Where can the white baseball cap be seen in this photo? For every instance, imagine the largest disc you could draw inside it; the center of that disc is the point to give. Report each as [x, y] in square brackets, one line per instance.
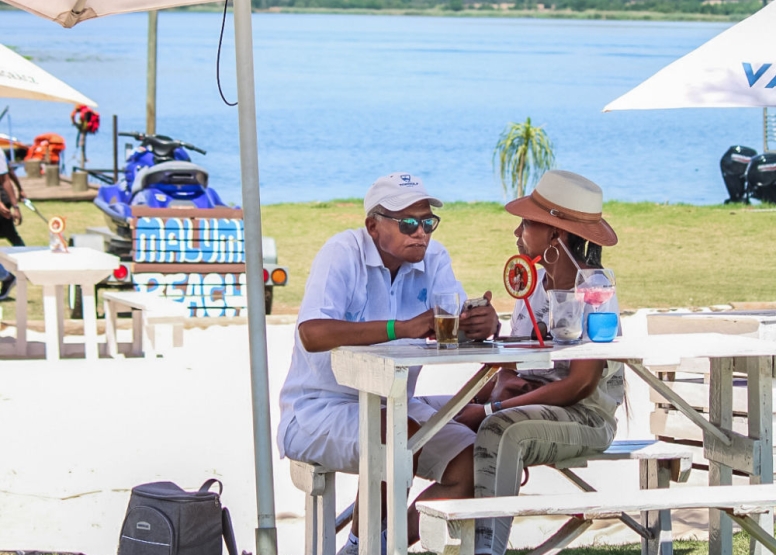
[396, 192]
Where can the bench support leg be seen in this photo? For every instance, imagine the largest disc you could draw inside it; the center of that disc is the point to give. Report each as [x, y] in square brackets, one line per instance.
[149, 335]
[110, 329]
[137, 332]
[752, 526]
[626, 519]
[447, 538]
[320, 507]
[760, 402]
[721, 415]
[571, 530]
[653, 474]
[177, 335]
[320, 515]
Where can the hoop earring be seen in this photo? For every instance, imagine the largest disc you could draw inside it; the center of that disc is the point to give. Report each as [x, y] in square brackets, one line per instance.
[557, 255]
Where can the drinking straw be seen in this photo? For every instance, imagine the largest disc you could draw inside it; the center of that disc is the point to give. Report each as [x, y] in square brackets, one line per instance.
[568, 252]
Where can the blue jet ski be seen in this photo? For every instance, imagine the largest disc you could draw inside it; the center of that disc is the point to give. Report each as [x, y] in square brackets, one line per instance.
[159, 174]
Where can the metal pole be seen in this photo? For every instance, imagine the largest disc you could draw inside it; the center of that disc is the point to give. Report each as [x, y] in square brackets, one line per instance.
[151, 75]
[115, 148]
[765, 129]
[266, 533]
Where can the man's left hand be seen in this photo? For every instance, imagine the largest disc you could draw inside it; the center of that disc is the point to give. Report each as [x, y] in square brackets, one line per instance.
[480, 322]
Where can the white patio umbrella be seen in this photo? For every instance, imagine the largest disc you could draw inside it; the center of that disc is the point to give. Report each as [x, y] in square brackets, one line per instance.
[70, 12]
[20, 78]
[737, 68]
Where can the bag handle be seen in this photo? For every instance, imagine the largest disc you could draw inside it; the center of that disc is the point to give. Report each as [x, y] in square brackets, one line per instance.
[209, 483]
[226, 526]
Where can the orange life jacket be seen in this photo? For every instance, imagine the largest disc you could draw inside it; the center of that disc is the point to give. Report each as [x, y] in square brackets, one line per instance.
[47, 146]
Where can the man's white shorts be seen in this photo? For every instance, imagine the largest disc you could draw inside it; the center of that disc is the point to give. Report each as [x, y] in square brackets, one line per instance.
[333, 443]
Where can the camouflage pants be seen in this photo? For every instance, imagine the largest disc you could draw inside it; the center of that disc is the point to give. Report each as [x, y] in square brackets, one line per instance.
[527, 436]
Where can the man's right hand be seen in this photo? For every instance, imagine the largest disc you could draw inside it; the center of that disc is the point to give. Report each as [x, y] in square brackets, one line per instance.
[325, 334]
[419, 327]
[5, 212]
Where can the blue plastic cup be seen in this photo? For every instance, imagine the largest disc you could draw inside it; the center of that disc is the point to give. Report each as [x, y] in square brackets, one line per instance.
[602, 326]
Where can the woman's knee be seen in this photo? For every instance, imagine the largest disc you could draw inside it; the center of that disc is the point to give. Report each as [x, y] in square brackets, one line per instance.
[460, 472]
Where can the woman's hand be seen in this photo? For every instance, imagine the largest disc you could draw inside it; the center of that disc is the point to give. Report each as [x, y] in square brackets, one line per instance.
[471, 416]
[480, 322]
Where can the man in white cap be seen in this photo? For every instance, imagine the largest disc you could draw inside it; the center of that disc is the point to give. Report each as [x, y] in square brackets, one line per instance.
[367, 286]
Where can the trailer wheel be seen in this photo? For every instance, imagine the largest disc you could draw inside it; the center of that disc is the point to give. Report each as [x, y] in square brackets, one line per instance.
[75, 302]
[267, 299]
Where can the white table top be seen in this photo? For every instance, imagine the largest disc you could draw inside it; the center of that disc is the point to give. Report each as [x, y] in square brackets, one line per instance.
[42, 258]
[659, 348]
[44, 267]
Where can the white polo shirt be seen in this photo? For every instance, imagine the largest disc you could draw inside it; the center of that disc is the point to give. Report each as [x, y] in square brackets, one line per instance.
[3, 163]
[348, 281]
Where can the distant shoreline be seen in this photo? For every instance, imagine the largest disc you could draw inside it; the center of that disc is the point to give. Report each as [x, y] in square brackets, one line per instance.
[596, 15]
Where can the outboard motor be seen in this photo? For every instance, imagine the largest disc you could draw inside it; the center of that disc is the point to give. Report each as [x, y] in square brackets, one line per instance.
[733, 165]
[761, 177]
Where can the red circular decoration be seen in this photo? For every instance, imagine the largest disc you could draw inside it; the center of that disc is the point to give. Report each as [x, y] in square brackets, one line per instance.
[520, 276]
[56, 225]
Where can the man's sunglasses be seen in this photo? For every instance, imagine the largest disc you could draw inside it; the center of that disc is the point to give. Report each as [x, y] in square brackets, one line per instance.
[408, 226]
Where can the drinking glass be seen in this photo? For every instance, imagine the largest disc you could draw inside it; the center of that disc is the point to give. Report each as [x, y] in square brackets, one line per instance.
[447, 309]
[595, 286]
[565, 317]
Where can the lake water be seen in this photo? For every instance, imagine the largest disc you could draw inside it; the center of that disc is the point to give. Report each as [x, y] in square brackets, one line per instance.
[343, 99]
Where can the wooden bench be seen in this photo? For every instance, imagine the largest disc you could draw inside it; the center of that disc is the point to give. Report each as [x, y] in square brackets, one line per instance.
[321, 522]
[690, 378]
[659, 463]
[448, 526]
[148, 312]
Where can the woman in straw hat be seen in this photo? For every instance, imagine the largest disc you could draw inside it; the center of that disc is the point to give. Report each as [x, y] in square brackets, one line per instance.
[543, 416]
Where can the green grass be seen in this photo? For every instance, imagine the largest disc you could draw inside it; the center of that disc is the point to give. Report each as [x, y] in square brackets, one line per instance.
[668, 255]
[681, 547]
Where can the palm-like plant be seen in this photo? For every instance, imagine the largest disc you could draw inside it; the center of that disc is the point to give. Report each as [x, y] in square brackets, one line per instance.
[523, 152]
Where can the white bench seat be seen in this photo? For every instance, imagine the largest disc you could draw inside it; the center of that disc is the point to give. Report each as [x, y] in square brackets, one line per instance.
[148, 312]
[659, 463]
[448, 526]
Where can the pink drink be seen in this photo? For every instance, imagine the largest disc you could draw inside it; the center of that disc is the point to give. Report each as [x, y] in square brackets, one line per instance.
[595, 296]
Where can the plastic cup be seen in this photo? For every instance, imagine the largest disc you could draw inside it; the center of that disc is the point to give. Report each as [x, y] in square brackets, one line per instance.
[565, 317]
[447, 310]
[602, 327]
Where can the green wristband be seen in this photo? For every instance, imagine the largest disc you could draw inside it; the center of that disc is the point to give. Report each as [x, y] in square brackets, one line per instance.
[390, 327]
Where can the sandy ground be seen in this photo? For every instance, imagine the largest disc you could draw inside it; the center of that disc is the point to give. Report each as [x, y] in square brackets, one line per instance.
[75, 437]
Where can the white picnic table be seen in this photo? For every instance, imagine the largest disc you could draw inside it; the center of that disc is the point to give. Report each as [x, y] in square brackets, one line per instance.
[380, 373]
[80, 266]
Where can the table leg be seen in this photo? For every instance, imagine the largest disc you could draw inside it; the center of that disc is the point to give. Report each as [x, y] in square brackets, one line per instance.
[51, 319]
[21, 314]
[91, 351]
[398, 472]
[371, 470]
[60, 294]
[720, 414]
[111, 329]
[760, 407]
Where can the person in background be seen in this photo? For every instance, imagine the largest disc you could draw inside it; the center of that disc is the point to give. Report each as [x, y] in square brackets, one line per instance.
[366, 286]
[10, 217]
[536, 417]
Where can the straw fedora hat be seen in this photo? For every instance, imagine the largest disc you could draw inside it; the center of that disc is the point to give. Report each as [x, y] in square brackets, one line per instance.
[569, 202]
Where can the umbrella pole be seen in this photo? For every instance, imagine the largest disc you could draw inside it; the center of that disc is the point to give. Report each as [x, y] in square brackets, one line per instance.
[266, 533]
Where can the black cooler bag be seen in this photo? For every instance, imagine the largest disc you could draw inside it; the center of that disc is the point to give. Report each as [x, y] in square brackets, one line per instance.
[163, 519]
